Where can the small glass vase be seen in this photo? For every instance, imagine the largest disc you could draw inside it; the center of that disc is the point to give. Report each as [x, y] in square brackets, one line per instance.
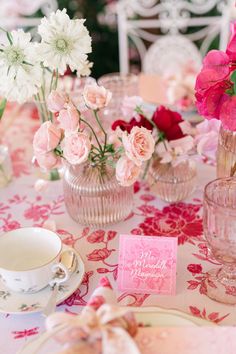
[170, 183]
[93, 196]
[226, 154]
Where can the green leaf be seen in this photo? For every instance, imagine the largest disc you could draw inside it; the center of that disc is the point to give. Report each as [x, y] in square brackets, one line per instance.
[233, 76]
[2, 107]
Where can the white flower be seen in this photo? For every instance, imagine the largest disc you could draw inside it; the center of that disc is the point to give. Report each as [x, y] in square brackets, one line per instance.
[86, 69]
[64, 42]
[20, 72]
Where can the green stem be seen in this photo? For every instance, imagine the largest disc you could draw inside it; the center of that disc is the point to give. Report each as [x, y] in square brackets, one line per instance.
[51, 82]
[56, 81]
[101, 127]
[100, 146]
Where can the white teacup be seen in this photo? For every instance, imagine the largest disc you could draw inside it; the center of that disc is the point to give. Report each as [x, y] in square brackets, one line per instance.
[29, 259]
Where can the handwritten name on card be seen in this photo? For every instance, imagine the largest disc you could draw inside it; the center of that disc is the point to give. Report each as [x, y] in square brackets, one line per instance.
[147, 264]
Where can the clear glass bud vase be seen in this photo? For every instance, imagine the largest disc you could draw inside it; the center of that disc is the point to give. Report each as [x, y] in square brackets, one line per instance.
[226, 154]
[172, 183]
[93, 196]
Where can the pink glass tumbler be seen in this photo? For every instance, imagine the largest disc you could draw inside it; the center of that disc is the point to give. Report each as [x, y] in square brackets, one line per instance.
[219, 222]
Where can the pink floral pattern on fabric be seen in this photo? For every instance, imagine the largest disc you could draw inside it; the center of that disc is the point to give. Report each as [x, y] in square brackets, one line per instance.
[213, 316]
[176, 220]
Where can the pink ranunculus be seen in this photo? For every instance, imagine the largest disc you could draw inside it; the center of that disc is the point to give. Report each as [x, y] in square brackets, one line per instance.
[76, 148]
[231, 47]
[139, 145]
[127, 171]
[69, 118]
[48, 160]
[96, 97]
[228, 114]
[46, 138]
[129, 104]
[56, 101]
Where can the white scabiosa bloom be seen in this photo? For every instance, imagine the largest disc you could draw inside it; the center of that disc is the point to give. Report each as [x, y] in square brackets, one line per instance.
[20, 72]
[64, 42]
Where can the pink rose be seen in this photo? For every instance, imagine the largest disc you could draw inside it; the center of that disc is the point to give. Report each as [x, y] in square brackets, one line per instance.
[69, 118]
[139, 145]
[56, 101]
[127, 171]
[46, 138]
[96, 97]
[76, 148]
[48, 160]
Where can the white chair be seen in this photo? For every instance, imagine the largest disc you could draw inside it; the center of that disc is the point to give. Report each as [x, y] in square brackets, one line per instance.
[15, 14]
[173, 46]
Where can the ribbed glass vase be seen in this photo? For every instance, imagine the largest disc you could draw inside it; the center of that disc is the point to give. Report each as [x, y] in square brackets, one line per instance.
[170, 183]
[93, 196]
[226, 154]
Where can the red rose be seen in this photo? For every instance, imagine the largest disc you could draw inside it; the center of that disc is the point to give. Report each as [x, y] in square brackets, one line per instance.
[167, 122]
[127, 126]
[195, 268]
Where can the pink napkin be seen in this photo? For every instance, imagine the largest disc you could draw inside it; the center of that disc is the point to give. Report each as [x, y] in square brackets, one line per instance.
[102, 327]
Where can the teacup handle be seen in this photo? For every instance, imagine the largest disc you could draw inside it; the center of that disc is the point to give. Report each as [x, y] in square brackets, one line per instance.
[55, 268]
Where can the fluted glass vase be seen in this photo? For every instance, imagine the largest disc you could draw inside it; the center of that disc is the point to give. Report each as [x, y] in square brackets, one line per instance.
[226, 154]
[172, 183]
[93, 196]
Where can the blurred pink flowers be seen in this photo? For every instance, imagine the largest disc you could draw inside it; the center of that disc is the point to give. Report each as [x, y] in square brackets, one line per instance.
[216, 84]
[206, 138]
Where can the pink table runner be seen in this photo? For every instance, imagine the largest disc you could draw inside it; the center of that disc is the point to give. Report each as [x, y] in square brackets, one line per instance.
[20, 206]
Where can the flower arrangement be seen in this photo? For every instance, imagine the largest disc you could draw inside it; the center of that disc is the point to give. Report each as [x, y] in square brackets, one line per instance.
[216, 84]
[30, 69]
[175, 139]
[72, 138]
[180, 87]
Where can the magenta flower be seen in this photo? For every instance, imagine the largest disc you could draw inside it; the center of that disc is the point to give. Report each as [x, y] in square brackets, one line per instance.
[231, 47]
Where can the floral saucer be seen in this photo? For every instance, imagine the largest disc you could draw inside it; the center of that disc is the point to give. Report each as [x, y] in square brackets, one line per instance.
[18, 303]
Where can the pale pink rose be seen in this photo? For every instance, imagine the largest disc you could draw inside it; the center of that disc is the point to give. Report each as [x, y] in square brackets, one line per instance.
[46, 138]
[129, 104]
[206, 138]
[76, 148]
[127, 171]
[139, 145]
[96, 97]
[68, 118]
[56, 101]
[41, 185]
[48, 160]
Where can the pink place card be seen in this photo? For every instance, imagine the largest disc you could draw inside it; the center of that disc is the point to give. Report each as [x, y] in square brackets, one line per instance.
[147, 264]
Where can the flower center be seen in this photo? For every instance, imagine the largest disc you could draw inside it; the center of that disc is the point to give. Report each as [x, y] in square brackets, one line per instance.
[62, 45]
[14, 56]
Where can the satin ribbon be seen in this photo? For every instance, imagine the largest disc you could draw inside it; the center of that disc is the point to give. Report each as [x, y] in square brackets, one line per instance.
[112, 326]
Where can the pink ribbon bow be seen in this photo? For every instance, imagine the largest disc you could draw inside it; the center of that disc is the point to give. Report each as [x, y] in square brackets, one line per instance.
[108, 330]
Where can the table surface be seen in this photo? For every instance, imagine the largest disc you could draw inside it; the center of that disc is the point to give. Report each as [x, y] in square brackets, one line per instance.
[21, 205]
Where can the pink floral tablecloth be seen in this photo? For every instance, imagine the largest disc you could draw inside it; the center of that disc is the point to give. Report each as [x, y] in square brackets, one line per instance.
[21, 205]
